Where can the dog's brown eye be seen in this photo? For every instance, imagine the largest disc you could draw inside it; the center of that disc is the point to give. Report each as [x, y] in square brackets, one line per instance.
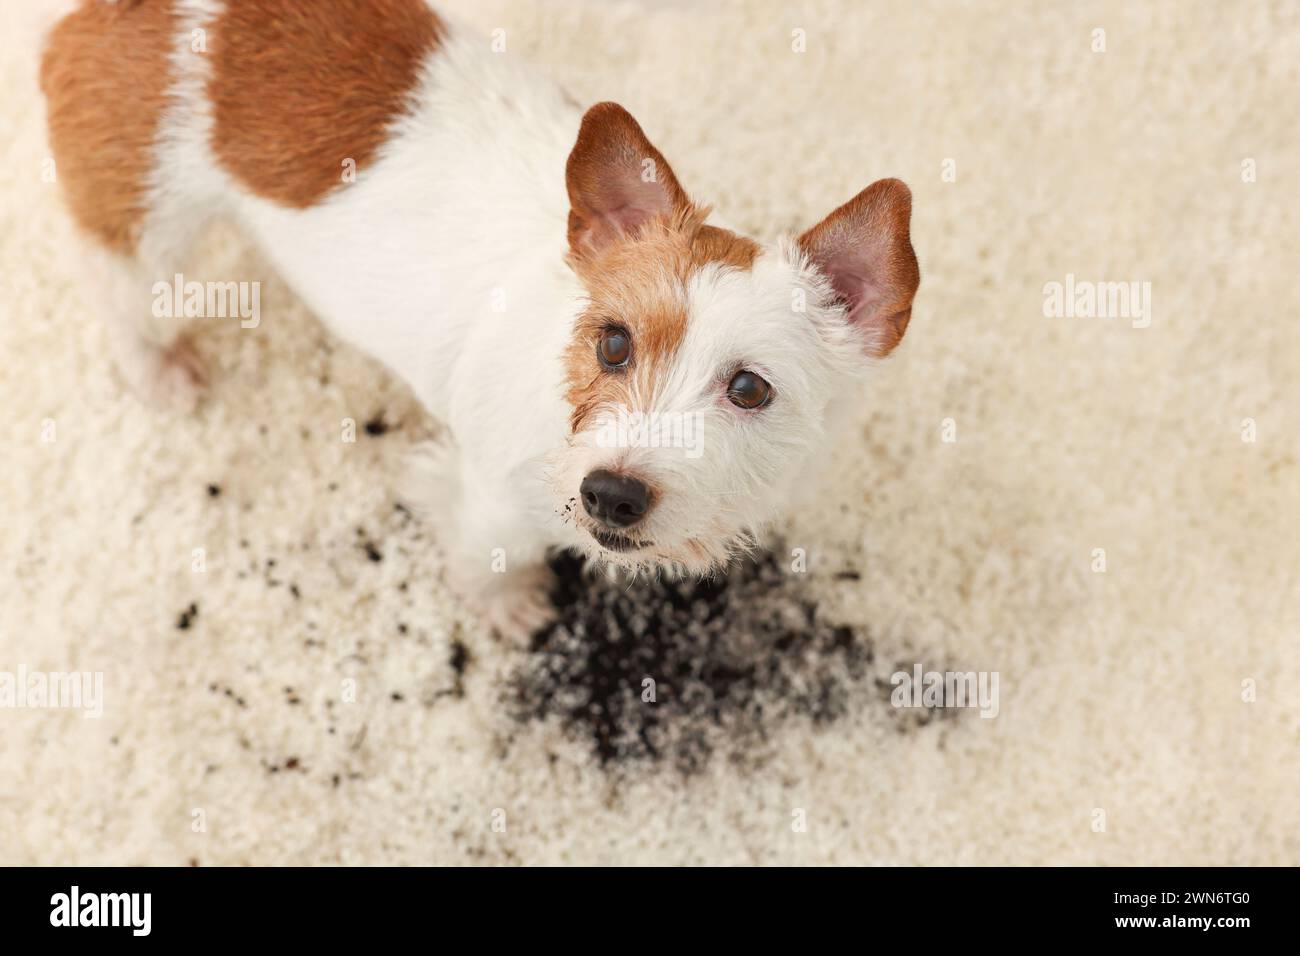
[615, 348]
[747, 390]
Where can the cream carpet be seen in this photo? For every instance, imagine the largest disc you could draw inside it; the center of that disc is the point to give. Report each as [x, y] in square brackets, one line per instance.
[315, 697]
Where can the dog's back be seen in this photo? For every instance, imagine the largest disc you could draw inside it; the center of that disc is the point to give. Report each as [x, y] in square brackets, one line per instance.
[295, 95]
[388, 163]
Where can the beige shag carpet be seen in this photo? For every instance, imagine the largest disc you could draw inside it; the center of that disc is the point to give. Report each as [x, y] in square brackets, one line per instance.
[1149, 713]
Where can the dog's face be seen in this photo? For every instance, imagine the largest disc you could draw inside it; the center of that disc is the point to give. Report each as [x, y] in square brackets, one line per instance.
[701, 368]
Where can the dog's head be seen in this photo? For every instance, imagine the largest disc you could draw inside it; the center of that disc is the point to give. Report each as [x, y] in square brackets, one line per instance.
[701, 367]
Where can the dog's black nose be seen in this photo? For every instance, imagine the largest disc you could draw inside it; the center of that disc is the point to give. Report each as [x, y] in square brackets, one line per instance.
[617, 501]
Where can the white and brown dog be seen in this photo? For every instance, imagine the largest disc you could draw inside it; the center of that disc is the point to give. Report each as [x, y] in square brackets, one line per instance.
[535, 272]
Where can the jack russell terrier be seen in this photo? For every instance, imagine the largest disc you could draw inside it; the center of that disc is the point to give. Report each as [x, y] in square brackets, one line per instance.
[535, 272]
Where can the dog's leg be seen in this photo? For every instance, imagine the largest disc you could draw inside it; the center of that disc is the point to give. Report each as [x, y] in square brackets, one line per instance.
[151, 352]
[125, 126]
[492, 561]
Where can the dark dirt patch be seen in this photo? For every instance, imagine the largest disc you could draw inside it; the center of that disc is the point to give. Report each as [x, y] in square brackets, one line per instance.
[675, 671]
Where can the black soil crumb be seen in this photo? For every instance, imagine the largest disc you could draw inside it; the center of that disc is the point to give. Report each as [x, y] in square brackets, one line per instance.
[459, 657]
[373, 553]
[377, 426]
[187, 617]
[678, 670]
[459, 661]
[214, 490]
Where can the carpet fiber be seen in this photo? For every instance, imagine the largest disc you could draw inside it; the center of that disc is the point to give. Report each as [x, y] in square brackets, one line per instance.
[1107, 516]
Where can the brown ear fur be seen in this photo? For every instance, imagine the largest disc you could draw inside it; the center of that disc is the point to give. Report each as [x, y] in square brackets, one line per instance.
[864, 248]
[617, 181]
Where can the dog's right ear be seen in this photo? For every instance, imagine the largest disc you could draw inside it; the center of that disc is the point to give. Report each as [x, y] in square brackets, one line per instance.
[617, 181]
[865, 250]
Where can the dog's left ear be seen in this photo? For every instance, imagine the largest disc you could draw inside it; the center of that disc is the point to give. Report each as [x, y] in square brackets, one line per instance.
[864, 248]
[617, 180]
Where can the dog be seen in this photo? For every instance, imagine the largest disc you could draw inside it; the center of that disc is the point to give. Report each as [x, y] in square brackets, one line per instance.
[620, 372]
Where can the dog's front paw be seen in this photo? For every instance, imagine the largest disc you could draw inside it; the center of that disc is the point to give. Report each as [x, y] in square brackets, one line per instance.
[519, 603]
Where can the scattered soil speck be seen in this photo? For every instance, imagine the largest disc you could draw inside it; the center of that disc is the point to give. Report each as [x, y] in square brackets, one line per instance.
[459, 657]
[459, 661]
[187, 617]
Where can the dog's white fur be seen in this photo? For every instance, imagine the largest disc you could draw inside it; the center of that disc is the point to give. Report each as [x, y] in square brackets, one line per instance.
[446, 260]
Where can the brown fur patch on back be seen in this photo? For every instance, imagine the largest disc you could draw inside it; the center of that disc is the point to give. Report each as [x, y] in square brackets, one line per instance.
[300, 86]
[640, 285]
[104, 72]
